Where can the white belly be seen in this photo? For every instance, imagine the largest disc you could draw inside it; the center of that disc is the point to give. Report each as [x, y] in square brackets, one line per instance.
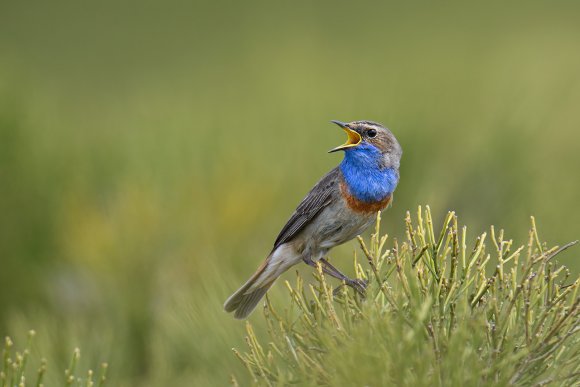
[334, 226]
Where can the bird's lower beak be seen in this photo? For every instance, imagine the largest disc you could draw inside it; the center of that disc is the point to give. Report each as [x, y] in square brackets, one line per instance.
[353, 139]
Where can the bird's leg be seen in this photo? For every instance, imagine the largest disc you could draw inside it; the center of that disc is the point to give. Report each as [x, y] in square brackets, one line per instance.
[357, 284]
[332, 271]
[336, 274]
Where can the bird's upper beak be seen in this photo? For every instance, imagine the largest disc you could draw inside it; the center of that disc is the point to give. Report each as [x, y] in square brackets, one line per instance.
[353, 139]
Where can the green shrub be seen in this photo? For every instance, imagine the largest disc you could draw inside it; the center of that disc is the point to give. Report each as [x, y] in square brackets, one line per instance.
[16, 370]
[436, 312]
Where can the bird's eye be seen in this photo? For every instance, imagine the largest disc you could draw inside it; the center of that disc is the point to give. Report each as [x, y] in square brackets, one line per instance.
[372, 133]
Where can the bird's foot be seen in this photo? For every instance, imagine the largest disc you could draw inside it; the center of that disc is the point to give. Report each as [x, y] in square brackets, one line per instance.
[359, 285]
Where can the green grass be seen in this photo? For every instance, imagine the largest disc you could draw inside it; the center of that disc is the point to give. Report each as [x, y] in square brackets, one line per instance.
[442, 308]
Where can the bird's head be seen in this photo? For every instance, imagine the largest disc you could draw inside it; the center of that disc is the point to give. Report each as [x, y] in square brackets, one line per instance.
[367, 139]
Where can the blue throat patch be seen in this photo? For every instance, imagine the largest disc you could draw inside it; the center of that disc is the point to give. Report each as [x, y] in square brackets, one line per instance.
[364, 177]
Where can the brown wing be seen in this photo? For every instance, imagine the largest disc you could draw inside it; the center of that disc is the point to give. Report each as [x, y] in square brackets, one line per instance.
[320, 196]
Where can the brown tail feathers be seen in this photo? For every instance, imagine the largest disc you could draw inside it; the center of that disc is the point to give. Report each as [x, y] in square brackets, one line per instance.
[245, 299]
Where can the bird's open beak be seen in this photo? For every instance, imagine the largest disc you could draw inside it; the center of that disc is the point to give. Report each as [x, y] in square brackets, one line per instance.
[353, 137]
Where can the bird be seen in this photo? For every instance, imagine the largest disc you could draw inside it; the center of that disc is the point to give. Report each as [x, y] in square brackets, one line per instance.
[339, 207]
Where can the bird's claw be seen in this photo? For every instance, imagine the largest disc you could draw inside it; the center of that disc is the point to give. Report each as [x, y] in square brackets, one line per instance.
[358, 284]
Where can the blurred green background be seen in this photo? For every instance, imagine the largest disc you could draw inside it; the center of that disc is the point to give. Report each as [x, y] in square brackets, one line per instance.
[151, 151]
